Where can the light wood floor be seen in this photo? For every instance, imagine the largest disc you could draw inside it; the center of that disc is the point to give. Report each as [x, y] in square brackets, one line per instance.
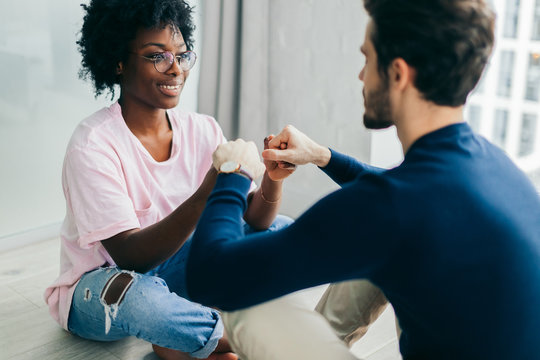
[28, 332]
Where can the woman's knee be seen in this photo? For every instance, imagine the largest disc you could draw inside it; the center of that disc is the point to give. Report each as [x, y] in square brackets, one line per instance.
[281, 222]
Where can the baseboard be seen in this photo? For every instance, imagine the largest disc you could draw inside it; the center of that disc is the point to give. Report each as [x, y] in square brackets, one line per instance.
[29, 237]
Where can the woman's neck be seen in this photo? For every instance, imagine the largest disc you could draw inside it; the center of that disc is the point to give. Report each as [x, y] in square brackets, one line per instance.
[144, 120]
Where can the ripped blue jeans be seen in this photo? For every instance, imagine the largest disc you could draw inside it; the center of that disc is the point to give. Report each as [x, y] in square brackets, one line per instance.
[152, 307]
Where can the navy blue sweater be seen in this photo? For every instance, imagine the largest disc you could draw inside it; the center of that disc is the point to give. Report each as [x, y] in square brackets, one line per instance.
[451, 236]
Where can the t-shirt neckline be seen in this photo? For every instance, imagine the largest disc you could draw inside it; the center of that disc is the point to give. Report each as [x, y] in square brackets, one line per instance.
[116, 108]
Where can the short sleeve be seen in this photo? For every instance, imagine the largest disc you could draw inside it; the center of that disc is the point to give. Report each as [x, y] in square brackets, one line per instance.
[213, 134]
[97, 195]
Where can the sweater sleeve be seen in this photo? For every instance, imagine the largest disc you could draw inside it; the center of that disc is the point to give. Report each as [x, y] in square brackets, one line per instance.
[343, 168]
[327, 243]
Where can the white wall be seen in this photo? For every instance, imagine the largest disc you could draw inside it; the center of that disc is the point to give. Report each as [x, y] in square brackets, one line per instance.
[41, 102]
[313, 67]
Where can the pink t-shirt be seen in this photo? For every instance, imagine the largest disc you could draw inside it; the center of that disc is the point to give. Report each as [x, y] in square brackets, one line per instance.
[112, 184]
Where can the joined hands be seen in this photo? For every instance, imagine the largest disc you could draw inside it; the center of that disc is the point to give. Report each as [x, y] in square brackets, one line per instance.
[281, 154]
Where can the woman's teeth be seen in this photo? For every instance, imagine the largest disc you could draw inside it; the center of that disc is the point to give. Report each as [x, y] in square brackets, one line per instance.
[169, 87]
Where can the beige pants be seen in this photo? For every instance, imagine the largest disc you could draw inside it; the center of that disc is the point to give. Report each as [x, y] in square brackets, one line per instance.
[286, 328]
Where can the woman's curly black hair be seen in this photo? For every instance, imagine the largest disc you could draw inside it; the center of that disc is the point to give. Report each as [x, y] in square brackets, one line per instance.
[109, 26]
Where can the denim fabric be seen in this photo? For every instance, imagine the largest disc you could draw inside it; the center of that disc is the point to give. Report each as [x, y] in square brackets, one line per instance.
[149, 310]
[154, 307]
[173, 270]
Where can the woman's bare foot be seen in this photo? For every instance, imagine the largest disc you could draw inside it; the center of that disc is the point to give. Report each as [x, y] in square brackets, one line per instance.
[222, 352]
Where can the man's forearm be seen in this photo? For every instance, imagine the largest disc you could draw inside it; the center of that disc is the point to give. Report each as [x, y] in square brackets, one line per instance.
[322, 156]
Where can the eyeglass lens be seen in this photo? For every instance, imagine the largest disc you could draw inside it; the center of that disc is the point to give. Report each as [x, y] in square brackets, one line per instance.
[185, 61]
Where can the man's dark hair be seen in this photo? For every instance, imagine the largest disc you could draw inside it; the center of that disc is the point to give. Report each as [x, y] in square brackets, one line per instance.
[447, 42]
[109, 26]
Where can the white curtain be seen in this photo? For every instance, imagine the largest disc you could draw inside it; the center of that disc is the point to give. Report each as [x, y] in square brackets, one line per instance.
[234, 68]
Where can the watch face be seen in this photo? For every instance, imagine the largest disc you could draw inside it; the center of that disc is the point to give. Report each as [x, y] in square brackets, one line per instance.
[229, 167]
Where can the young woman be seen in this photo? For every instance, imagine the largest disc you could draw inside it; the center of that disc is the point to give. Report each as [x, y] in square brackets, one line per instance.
[136, 177]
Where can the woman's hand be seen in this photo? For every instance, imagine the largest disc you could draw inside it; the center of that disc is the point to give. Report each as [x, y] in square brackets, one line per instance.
[244, 153]
[277, 170]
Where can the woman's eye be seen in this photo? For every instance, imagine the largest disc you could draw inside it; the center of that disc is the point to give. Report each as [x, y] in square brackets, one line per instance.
[157, 57]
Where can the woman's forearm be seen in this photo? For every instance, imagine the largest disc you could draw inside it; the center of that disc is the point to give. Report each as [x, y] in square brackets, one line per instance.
[264, 204]
[143, 249]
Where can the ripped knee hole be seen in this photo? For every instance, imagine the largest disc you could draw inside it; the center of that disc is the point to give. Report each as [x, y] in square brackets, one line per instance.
[116, 287]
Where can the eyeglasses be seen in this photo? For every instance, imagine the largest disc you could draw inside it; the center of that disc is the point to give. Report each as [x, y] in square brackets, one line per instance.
[163, 61]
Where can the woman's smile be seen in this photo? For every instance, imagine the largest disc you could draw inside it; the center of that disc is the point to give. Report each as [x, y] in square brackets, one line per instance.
[170, 88]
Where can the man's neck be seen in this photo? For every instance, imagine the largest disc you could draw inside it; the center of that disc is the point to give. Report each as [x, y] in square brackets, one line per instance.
[424, 118]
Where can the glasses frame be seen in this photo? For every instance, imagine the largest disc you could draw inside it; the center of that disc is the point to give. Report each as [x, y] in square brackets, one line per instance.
[181, 60]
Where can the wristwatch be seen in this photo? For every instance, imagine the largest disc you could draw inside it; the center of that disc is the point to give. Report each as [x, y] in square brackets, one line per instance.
[230, 167]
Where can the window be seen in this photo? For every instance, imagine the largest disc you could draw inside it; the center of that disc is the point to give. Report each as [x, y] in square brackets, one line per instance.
[504, 87]
[475, 117]
[532, 91]
[536, 22]
[528, 132]
[511, 18]
[505, 106]
[499, 127]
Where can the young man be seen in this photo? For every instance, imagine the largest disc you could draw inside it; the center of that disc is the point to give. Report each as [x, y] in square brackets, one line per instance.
[451, 236]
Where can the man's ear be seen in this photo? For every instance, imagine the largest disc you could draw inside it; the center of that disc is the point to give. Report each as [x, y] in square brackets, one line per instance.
[401, 74]
[119, 68]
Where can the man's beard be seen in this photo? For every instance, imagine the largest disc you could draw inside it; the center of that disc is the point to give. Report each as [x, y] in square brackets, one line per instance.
[378, 101]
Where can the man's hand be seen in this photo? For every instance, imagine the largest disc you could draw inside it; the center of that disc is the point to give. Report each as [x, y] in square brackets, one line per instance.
[245, 153]
[277, 170]
[294, 147]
